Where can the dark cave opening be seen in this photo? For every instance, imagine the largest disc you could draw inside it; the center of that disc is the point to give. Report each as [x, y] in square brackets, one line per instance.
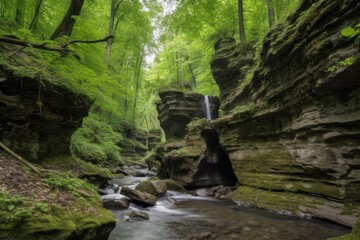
[215, 167]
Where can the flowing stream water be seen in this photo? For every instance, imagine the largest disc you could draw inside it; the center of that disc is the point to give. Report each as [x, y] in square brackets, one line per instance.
[179, 216]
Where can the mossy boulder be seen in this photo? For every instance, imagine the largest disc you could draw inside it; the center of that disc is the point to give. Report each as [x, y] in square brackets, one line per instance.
[61, 224]
[156, 188]
[143, 198]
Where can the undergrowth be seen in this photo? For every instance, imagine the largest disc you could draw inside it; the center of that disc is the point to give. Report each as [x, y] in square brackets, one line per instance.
[96, 142]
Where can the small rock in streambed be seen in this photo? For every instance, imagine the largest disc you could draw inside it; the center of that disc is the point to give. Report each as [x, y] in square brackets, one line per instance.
[137, 214]
[142, 198]
[116, 203]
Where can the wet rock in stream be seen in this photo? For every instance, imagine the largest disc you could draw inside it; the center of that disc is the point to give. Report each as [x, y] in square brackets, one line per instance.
[139, 215]
[121, 203]
[139, 197]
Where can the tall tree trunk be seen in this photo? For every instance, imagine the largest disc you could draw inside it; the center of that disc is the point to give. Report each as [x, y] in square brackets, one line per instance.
[137, 86]
[111, 31]
[193, 78]
[20, 12]
[35, 20]
[67, 24]
[241, 21]
[271, 13]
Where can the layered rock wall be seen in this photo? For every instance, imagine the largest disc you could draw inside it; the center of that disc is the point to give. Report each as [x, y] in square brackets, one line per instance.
[176, 109]
[292, 123]
[37, 118]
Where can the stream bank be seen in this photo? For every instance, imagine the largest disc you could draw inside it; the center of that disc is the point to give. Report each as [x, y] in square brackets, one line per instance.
[180, 215]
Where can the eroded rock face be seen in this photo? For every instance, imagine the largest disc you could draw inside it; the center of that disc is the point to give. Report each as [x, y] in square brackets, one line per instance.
[231, 62]
[176, 109]
[134, 146]
[196, 162]
[38, 119]
[293, 123]
[154, 138]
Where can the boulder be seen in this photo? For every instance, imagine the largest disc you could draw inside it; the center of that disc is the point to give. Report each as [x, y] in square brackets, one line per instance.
[156, 188]
[173, 185]
[122, 203]
[136, 214]
[139, 197]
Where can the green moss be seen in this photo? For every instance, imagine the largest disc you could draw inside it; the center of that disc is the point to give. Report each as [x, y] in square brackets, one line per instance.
[275, 170]
[81, 216]
[277, 201]
[77, 166]
[60, 224]
[96, 142]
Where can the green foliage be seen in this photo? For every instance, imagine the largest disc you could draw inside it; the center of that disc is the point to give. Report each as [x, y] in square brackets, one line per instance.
[96, 142]
[352, 33]
[18, 207]
[348, 32]
[67, 181]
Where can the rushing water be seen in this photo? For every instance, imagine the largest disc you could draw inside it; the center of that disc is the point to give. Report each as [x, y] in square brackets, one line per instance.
[207, 107]
[179, 216]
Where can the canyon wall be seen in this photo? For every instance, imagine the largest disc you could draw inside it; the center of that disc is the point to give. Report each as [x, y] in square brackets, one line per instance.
[291, 107]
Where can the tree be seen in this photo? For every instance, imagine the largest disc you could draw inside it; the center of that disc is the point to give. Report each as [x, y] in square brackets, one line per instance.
[35, 20]
[112, 29]
[67, 24]
[241, 21]
[271, 13]
[20, 12]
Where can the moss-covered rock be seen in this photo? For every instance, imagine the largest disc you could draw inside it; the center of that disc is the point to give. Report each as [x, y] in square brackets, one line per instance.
[96, 142]
[296, 204]
[291, 108]
[85, 170]
[60, 224]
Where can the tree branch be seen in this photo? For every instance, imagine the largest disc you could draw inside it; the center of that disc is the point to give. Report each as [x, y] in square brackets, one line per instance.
[44, 46]
[88, 41]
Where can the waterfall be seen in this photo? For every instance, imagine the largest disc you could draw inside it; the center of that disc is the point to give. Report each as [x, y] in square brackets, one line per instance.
[207, 107]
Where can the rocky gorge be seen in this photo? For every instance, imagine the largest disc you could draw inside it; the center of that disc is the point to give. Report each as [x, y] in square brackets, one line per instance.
[283, 137]
[289, 120]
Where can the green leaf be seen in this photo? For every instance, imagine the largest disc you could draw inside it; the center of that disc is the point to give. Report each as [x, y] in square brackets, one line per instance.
[10, 207]
[348, 32]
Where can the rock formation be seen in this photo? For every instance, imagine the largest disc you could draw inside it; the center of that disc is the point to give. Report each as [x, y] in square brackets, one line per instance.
[176, 109]
[291, 122]
[37, 118]
[196, 162]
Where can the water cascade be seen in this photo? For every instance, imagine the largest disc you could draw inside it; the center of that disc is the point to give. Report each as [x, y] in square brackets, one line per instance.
[207, 107]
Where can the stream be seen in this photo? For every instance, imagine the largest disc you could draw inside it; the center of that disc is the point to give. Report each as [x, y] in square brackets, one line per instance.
[179, 216]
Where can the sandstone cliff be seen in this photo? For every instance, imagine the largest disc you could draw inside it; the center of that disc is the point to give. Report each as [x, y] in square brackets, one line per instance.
[292, 121]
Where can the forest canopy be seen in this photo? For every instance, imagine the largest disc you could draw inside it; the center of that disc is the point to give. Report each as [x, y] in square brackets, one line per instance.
[122, 52]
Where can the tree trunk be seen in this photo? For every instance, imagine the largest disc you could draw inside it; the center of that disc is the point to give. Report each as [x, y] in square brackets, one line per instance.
[35, 20]
[241, 21]
[111, 30]
[271, 13]
[137, 86]
[20, 12]
[67, 24]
